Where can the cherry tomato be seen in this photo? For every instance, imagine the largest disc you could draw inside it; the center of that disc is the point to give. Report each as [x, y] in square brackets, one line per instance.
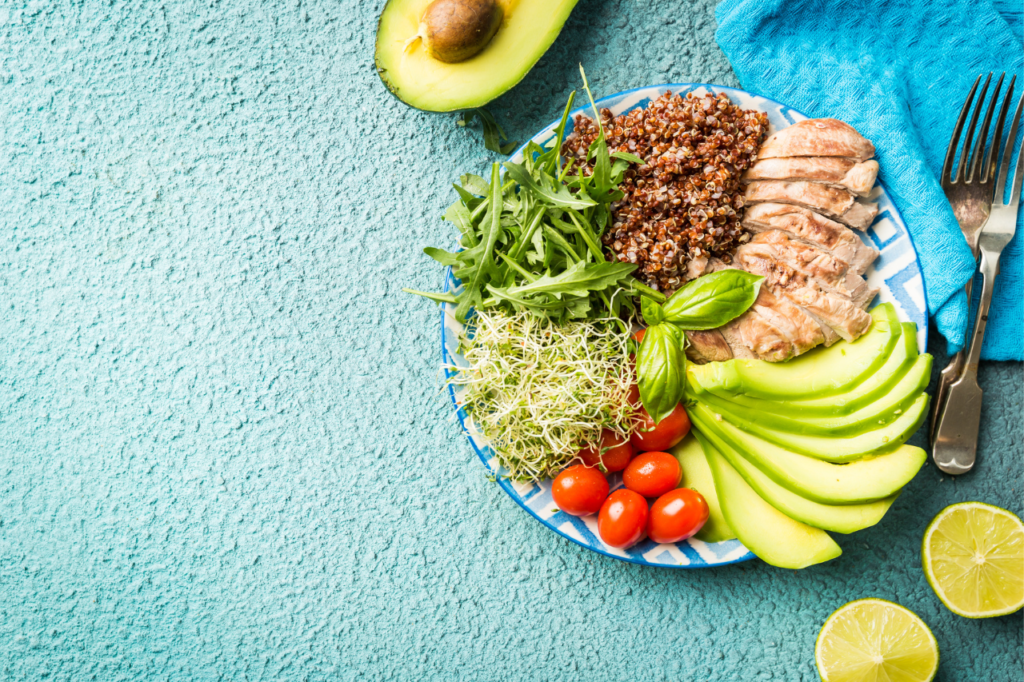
[633, 398]
[677, 515]
[613, 453]
[623, 519]
[652, 474]
[580, 490]
[668, 432]
[638, 335]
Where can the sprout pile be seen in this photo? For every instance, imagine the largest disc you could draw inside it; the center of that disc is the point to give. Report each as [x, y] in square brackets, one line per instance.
[540, 391]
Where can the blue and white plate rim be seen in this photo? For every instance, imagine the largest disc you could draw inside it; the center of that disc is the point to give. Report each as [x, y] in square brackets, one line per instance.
[897, 273]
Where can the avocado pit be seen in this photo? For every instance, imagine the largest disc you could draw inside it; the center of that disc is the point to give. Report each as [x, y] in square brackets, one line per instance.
[455, 30]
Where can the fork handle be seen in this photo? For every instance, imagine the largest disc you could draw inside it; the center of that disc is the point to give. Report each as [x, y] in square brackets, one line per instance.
[956, 436]
[949, 374]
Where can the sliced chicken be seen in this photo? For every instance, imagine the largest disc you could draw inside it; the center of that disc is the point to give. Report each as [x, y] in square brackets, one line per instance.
[808, 259]
[817, 137]
[836, 171]
[803, 331]
[832, 306]
[758, 336]
[695, 267]
[813, 228]
[833, 202]
[707, 346]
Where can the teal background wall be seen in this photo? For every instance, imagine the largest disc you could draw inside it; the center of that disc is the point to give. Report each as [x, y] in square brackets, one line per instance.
[224, 451]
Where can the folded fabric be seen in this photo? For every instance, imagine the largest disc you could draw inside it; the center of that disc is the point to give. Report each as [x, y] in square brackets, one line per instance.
[899, 73]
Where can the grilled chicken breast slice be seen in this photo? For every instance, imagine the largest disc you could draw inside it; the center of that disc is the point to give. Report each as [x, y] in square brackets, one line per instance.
[760, 337]
[707, 346]
[808, 259]
[833, 202]
[802, 331]
[817, 137]
[833, 307]
[837, 171]
[811, 227]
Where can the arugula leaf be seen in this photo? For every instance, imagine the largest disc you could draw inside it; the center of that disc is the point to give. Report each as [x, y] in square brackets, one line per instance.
[493, 133]
[475, 184]
[626, 156]
[578, 280]
[441, 256]
[661, 371]
[491, 226]
[713, 300]
[559, 197]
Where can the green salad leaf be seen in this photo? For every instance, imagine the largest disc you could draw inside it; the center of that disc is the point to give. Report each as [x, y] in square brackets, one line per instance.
[713, 300]
[531, 240]
[661, 370]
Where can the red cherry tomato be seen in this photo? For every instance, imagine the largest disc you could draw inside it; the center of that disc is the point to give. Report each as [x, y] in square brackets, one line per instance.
[666, 434]
[580, 490]
[652, 474]
[613, 453]
[638, 335]
[623, 519]
[677, 515]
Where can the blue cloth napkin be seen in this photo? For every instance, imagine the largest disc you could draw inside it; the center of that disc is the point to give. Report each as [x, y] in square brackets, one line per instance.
[898, 72]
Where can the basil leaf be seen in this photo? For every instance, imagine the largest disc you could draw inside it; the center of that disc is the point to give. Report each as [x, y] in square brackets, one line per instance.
[661, 371]
[652, 311]
[713, 300]
[578, 280]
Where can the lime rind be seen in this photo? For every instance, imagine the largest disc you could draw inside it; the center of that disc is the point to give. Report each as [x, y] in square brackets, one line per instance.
[866, 669]
[1005, 574]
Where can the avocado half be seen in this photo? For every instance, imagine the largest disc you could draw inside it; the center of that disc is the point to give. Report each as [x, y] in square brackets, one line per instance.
[526, 32]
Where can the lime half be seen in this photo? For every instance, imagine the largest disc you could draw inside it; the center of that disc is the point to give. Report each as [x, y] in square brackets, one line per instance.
[873, 639]
[973, 556]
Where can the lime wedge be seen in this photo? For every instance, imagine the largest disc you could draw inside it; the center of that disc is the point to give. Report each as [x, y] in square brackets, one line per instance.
[873, 639]
[973, 556]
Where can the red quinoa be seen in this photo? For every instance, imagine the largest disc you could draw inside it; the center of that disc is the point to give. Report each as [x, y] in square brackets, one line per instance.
[685, 202]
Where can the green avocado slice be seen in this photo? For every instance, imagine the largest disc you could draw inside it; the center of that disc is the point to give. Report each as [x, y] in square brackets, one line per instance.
[864, 480]
[879, 413]
[528, 29]
[818, 373]
[697, 475]
[843, 448]
[846, 518]
[873, 387]
[763, 529]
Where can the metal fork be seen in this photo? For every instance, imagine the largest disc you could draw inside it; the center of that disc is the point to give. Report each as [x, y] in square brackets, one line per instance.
[971, 203]
[956, 434]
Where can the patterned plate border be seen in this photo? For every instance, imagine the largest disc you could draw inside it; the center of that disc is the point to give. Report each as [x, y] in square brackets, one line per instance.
[897, 274]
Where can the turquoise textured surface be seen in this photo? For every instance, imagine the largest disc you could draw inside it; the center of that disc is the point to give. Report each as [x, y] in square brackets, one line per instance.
[226, 451]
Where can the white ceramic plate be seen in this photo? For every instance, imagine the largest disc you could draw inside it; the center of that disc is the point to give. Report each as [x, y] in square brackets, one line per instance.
[896, 273]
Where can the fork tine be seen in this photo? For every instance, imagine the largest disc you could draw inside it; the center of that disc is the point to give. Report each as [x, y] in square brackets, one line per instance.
[978, 157]
[965, 153]
[947, 166]
[1007, 154]
[992, 161]
[1018, 175]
